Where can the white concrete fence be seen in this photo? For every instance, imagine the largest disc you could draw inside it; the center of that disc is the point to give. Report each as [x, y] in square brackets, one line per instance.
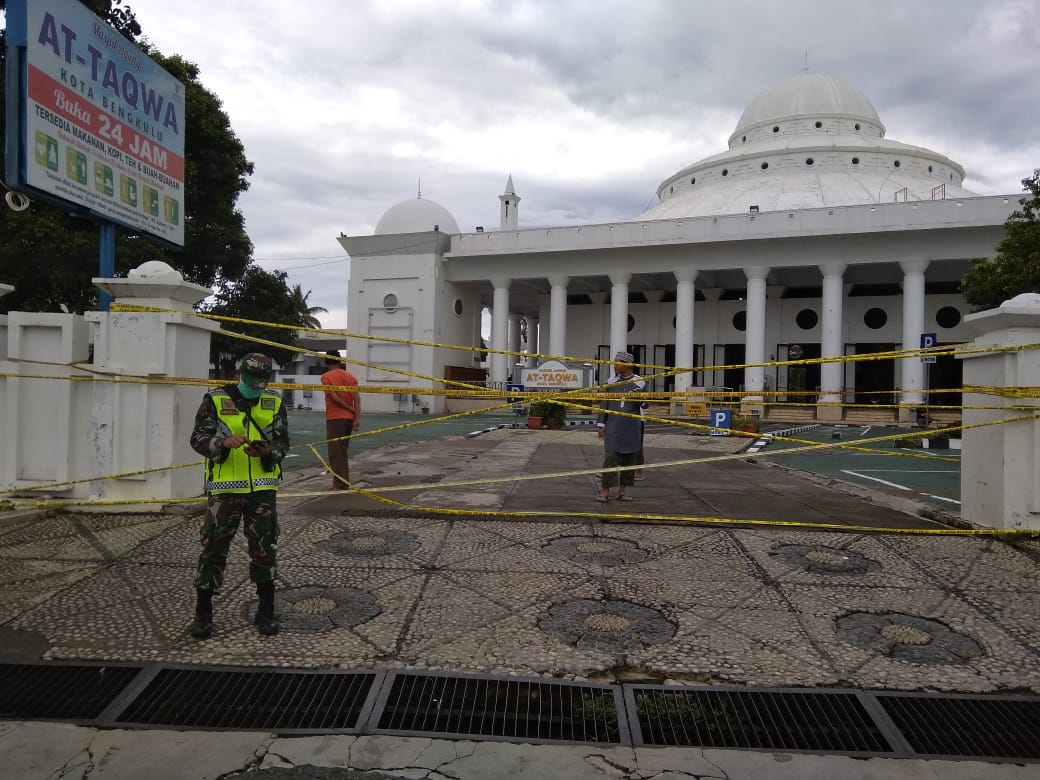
[63, 421]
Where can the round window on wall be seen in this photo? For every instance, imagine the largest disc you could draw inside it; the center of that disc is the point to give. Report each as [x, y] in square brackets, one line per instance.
[806, 319]
[948, 317]
[725, 171]
[765, 166]
[818, 125]
[631, 323]
[458, 307]
[389, 302]
[875, 318]
[740, 321]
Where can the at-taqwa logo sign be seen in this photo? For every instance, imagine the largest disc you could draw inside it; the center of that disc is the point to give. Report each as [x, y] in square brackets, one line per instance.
[553, 375]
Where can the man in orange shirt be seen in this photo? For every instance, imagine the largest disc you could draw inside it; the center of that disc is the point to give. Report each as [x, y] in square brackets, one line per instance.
[342, 417]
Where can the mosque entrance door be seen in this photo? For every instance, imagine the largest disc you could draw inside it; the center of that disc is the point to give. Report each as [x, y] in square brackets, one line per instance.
[800, 382]
[946, 373]
[873, 381]
[664, 355]
[729, 378]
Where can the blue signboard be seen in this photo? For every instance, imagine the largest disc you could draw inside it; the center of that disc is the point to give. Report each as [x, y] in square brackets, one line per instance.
[928, 341]
[92, 121]
[720, 418]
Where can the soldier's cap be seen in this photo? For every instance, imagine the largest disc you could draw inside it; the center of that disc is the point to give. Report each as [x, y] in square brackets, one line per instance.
[624, 357]
[256, 369]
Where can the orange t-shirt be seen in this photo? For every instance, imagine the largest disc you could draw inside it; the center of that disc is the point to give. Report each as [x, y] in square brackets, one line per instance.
[333, 411]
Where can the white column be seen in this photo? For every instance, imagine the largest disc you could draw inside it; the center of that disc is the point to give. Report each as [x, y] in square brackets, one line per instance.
[685, 295]
[912, 370]
[514, 342]
[619, 313]
[1000, 464]
[558, 315]
[532, 342]
[499, 326]
[755, 337]
[832, 341]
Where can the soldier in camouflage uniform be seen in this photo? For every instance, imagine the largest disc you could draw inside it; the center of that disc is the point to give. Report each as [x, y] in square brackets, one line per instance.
[243, 432]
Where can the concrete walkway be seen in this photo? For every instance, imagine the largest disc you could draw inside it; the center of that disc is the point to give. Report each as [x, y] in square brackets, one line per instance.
[567, 594]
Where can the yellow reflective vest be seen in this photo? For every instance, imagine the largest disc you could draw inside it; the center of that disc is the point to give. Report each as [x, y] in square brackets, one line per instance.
[241, 473]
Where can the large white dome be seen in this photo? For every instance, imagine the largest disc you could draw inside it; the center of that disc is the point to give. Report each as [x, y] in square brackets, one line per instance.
[807, 93]
[809, 141]
[416, 215]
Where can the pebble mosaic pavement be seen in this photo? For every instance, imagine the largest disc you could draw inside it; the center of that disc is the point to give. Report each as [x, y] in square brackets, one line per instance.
[574, 599]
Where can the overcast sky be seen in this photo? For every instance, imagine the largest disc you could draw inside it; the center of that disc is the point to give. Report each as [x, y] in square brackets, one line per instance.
[344, 105]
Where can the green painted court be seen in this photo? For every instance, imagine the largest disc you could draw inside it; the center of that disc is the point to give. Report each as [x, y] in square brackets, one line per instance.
[930, 474]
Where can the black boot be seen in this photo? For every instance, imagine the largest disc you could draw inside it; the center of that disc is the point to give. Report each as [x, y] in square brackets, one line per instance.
[202, 628]
[265, 620]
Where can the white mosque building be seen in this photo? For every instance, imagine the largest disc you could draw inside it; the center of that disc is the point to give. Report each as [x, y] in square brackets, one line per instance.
[811, 235]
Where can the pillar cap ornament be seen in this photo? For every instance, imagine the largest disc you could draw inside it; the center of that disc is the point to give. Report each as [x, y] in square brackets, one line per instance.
[1022, 311]
[154, 283]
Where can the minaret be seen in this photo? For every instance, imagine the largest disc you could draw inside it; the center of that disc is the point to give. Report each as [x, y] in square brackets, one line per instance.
[510, 207]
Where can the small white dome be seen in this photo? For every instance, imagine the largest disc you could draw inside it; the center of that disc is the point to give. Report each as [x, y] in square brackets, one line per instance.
[416, 215]
[155, 269]
[807, 93]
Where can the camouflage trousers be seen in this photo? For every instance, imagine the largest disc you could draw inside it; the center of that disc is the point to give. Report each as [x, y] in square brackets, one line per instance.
[258, 512]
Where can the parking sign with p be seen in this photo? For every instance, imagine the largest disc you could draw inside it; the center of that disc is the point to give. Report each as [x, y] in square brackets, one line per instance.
[720, 419]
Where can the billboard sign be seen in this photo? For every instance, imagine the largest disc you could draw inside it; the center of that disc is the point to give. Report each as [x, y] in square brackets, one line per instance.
[91, 120]
[552, 375]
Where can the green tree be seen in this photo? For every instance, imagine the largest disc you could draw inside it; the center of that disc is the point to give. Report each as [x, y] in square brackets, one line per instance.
[50, 255]
[307, 313]
[1016, 267]
[262, 296]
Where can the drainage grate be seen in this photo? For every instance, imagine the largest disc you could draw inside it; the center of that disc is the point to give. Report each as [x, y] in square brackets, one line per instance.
[512, 708]
[767, 720]
[234, 699]
[59, 692]
[990, 727]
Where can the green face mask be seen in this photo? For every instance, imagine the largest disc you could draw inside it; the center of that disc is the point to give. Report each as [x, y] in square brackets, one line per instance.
[250, 391]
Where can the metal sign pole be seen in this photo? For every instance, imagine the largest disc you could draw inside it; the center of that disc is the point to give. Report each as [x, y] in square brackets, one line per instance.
[107, 261]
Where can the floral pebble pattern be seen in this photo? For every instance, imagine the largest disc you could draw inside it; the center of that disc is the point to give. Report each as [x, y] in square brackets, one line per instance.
[606, 626]
[372, 544]
[907, 638]
[593, 550]
[820, 559]
[313, 610]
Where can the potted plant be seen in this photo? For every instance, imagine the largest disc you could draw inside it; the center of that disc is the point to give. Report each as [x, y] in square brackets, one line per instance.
[548, 414]
[746, 423]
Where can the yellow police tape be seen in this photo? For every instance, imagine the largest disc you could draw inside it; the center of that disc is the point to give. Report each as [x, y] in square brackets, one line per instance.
[568, 397]
[955, 349]
[377, 495]
[678, 423]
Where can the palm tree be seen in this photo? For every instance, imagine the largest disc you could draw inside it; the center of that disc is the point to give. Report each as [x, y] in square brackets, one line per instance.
[306, 313]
